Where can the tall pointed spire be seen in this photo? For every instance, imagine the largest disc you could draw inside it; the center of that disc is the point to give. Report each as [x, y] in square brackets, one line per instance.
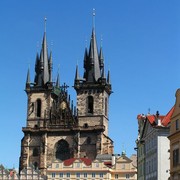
[50, 67]
[44, 54]
[77, 74]
[42, 64]
[103, 73]
[108, 78]
[85, 57]
[58, 81]
[28, 80]
[101, 58]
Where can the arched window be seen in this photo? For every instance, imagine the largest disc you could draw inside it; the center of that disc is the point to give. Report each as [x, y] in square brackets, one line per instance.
[38, 105]
[35, 152]
[62, 150]
[90, 104]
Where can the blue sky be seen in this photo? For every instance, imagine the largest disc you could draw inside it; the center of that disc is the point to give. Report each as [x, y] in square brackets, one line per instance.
[141, 45]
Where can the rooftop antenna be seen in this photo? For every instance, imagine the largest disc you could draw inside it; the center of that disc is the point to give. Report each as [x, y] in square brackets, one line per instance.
[94, 14]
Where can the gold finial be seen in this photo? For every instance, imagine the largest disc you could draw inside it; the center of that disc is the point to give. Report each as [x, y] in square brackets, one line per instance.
[45, 19]
[94, 14]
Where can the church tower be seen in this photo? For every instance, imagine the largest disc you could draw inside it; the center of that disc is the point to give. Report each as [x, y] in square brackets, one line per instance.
[55, 129]
[93, 91]
[51, 117]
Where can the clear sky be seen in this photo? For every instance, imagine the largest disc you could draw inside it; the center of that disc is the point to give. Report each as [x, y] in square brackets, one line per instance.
[141, 46]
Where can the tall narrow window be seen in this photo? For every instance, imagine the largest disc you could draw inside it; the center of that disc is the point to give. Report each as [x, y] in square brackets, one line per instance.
[38, 103]
[90, 104]
[175, 157]
[177, 124]
[106, 107]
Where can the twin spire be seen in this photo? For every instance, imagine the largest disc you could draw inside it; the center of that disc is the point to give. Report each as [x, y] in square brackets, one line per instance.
[94, 71]
[43, 65]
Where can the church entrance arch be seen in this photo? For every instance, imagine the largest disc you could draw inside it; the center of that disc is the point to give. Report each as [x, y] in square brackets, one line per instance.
[62, 151]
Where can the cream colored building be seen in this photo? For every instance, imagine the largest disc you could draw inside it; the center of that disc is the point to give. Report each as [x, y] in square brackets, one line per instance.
[119, 167]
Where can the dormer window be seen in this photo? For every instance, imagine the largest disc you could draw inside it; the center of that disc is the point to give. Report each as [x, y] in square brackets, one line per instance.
[38, 105]
[90, 104]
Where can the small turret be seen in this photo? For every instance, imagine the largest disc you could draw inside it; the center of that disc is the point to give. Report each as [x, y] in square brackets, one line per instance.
[108, 78]
[58, 81]
[101, 59]
[28, 80]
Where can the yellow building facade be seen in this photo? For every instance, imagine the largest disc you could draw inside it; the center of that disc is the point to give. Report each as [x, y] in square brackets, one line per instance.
[120, 167]
[174, 138]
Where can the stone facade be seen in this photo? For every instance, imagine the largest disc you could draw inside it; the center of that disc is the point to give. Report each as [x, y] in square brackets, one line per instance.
[55, 128]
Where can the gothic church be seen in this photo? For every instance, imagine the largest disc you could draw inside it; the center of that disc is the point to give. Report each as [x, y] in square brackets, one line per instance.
[55, 128]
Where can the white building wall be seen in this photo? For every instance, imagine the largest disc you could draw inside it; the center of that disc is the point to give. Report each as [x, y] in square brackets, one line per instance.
[163, 157]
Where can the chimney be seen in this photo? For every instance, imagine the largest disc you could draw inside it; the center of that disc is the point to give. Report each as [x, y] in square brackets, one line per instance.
[158, 120]
[113, 160]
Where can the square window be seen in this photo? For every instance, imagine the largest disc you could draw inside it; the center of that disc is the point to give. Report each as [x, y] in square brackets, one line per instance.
[60, 174]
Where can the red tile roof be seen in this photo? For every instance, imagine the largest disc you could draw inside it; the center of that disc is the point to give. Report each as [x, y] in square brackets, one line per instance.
[108, 163]
[152, 118]
[167, 118]
[69, 162]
